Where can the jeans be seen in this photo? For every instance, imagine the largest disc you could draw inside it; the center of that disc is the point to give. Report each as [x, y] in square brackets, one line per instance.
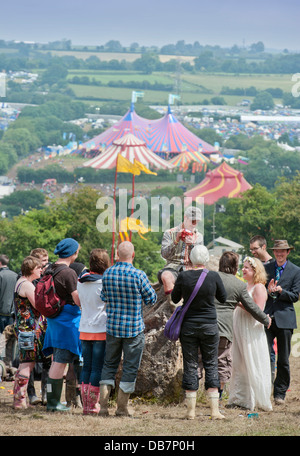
[132, 349]
[93, 352]
[195, 336]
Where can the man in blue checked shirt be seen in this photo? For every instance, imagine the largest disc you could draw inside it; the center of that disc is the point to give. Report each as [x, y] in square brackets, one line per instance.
[124, 289]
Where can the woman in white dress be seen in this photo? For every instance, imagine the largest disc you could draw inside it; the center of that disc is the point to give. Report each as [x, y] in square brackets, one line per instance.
[250, 384]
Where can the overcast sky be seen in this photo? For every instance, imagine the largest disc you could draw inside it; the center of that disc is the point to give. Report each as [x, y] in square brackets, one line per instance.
[153, 22]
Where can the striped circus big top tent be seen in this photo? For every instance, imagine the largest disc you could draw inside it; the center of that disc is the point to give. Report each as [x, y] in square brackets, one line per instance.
[130, 147]
[165, 136]
[170, 136]
[183, 160]
[130, 123]
[221, 182]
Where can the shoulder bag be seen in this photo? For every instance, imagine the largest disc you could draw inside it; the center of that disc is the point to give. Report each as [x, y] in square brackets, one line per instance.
[173, 325]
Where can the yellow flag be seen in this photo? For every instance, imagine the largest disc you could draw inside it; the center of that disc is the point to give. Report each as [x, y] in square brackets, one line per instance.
[132, 224]
[125, 166]
[143, 167]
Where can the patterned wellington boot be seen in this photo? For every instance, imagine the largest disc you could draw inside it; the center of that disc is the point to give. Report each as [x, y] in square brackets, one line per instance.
[85, 398]
[93, 398]
[20, 391]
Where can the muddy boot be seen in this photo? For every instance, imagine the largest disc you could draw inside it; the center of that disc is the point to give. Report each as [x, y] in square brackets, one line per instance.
[191, 398]
[93, 398]
[54, 389]
[71, 393]
[214, 406]
[20, 391]
[104, 397]
[122, 404]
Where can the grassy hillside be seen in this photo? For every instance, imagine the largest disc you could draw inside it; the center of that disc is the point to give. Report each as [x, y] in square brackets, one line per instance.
[194, 88]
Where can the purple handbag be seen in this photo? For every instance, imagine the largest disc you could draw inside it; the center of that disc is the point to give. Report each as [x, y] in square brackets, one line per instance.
[173, 325]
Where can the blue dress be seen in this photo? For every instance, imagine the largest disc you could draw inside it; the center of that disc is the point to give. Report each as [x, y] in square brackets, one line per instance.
[63, 331]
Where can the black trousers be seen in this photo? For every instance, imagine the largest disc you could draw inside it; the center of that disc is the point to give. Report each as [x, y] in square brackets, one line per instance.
[284, 337]
[195, 336]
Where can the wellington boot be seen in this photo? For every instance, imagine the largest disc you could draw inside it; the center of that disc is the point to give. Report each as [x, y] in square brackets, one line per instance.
[20, 391]
[72, 394]
[104, 397]
[191, 398]
[54, 389]
[214, 406]
[122, 404]
[93, 400]
[85, 397]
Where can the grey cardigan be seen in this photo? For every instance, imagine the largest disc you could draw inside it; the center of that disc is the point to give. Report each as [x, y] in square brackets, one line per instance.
[237, 292]
[8, 281]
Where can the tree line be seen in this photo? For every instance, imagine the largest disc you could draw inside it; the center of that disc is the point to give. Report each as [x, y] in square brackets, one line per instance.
[207, 58]
[274, 214]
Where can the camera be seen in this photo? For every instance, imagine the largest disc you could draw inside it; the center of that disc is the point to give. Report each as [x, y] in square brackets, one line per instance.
[185, 233]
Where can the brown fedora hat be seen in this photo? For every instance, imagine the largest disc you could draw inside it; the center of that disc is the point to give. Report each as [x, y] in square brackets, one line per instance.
[281, 244]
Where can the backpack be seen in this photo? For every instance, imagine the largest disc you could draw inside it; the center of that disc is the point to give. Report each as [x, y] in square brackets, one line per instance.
[47, 301]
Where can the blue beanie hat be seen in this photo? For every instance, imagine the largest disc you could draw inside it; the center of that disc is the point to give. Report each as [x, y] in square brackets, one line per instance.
[66, 248]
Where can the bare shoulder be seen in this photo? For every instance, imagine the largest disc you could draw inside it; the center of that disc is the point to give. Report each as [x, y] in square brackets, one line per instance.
[24, 286]
[259, 289]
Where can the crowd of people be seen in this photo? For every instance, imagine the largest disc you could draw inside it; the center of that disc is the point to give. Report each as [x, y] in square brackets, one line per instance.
[229, 329]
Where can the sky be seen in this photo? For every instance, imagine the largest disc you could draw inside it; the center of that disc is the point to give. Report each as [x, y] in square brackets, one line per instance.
[153, 22]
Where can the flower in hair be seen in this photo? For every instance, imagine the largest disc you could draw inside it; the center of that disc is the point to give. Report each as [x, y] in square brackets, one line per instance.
[251, 261]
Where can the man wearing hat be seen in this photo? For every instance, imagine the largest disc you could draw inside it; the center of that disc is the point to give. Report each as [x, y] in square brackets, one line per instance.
[177, 244]
[283, 291]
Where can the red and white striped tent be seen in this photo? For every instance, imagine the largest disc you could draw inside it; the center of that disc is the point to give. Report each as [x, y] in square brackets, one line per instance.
[130, 147]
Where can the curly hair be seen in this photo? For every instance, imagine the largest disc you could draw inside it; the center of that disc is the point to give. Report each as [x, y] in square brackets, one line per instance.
[260, 275]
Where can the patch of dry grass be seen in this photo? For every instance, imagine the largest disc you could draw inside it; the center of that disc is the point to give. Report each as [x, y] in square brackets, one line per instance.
[152, 419]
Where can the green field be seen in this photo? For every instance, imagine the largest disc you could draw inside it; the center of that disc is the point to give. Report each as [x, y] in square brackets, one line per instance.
[194, 88]
[215, 82]
[125, 76]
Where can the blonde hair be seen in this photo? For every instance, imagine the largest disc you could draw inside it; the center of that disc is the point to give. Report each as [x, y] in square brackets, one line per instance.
[260, 275]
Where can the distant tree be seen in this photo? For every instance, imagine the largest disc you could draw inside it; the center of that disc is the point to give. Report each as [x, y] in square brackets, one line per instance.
[21, 201]
[147, 63]
[134, 47]
[209, 135]
[114, 46]
[235, 49]
[257, 47]
[9, 152]
[205, 61]
[54, 74]
[22, 141]
[251, 214]
[263, 100]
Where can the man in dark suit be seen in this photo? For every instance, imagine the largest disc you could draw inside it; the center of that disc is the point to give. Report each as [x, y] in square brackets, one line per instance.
[283, 291]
